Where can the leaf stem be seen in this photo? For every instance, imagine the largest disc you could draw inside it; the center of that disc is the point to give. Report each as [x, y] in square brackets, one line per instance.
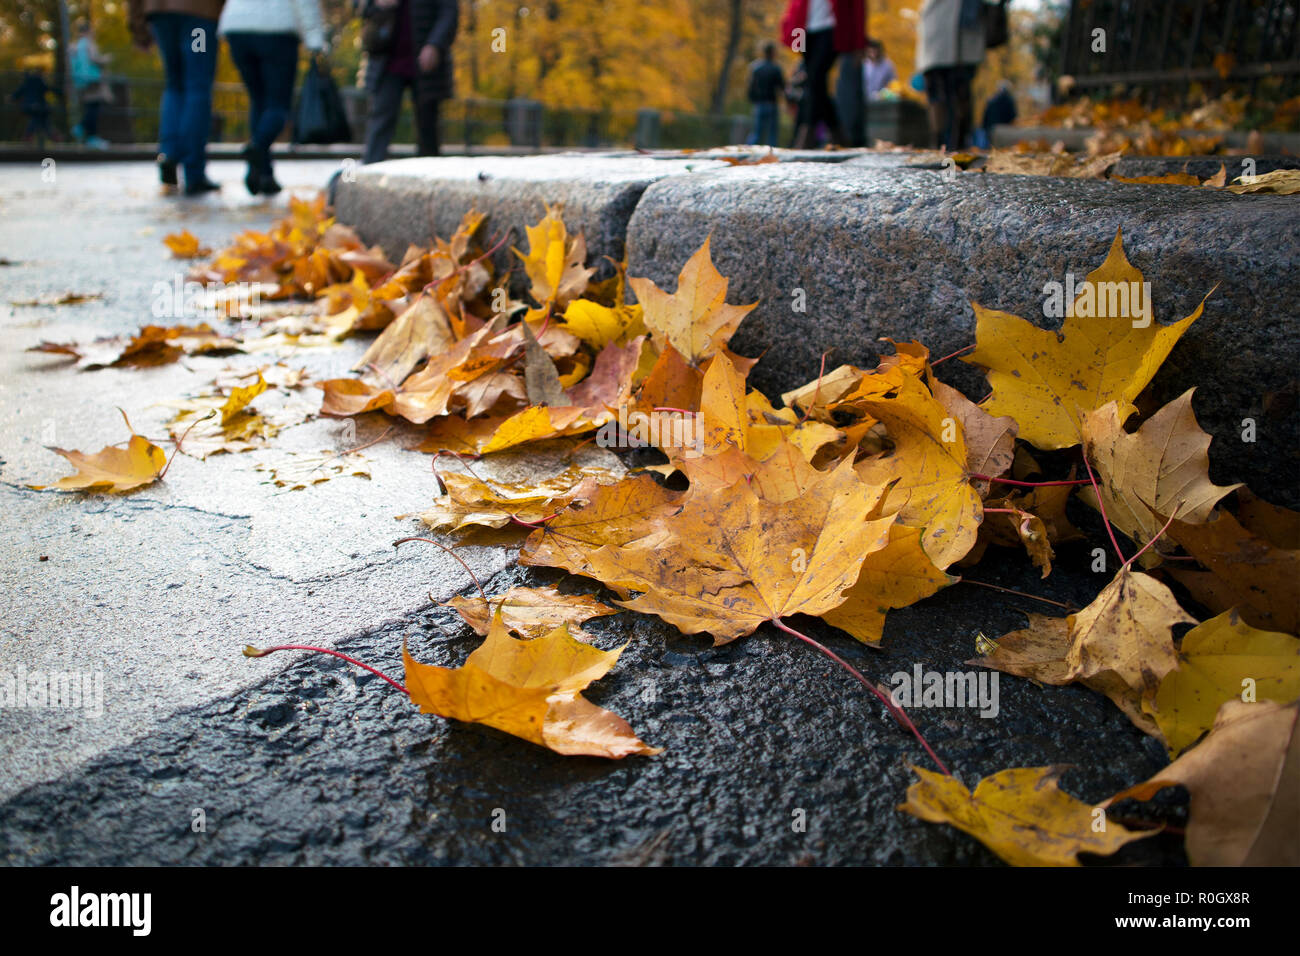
[1032, 597]
[951, 355]
[250, 651]
[532, 524]
[818, 390]
[177, 450]
[1154, 538]
[899, 714]
[442, 485]
[451, 551]
[1026, 484]
[1101, 506]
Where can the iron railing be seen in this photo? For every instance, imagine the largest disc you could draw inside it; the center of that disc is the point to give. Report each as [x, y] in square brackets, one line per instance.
[474, 123]
[1162, 47]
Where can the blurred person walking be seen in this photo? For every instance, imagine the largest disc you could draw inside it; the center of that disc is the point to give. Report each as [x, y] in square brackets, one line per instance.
[409, 46]
[263, 38]
[949, 48]
[32, 97]
[92, 90]
[766, 82]
[821, 29]
[186, 34]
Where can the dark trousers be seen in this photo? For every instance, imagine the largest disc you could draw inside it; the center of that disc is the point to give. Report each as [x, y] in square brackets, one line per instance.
[189, 68]
[268, 65]
[386, 106]
[90, 117]
[38, 123]
[765, 125]
[816, 105]
[948, 89]
[850, 100]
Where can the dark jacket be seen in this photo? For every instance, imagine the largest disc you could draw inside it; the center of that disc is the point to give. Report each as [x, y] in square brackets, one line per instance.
[31, 95]
[433, 23]
[765, 81]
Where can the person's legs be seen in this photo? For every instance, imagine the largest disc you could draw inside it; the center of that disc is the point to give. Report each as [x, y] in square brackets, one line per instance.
[385, 105]
[850, 100]
[816, 105]
[756, 125]
[90, 118]
[765, 120]
[963, 109]
[279, 70]
[199, 54]
[427, 108]
[166, 29]
[936, 92]
[246, 54]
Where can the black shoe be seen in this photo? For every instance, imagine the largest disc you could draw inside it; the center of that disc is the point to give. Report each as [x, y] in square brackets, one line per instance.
[269, 186]
[167, 170]
[260, 178]
[200, 187]
[253, 178]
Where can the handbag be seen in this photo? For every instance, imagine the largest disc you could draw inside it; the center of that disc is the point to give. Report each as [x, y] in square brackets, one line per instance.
[997, 29]
[379, 30]
[319, 117]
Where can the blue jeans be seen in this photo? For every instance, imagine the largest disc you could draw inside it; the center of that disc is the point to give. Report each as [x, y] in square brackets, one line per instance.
[189, 60]
[268, 65]
[764, 133]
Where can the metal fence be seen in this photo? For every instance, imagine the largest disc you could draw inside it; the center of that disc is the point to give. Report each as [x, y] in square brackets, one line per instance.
[1163, 46]
[132, 117]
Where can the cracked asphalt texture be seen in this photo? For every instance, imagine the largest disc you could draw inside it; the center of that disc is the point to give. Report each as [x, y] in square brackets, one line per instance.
[304, 759]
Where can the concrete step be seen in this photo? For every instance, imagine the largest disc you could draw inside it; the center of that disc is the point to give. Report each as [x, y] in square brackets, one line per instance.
[399, 202]
[870, 251]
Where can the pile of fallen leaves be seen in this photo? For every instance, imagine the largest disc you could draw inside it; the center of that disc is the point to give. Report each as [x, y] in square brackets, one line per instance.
[863, 491]
[1027, 159]
[1128, 125]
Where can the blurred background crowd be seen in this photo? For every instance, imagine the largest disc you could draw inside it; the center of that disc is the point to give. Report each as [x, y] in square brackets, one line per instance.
[506, 75]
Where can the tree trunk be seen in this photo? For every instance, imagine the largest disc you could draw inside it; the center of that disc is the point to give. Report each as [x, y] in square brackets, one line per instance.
[729, 57]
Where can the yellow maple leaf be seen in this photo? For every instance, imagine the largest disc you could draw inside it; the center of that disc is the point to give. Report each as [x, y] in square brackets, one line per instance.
[1222, 659]
[928, 464]
[1164, 465]
[600, 325]
[1108, 349]
[696, 319]
[535, 423]
[239, 398]
[621, 515]
[111, 469]
[1126, 633]
[185, 245]
[530, 612]
[473, 501]
[554, 263]
[732, 562]
[897, 575]
[1020, 814]
[530, 689]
